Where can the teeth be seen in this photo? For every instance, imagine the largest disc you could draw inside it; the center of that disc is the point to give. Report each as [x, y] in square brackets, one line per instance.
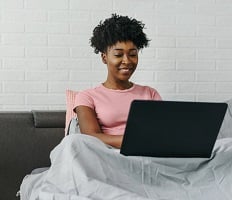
[125, 70]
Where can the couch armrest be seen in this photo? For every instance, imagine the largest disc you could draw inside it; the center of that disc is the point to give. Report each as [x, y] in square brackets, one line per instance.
[48, 119]
[24, 147]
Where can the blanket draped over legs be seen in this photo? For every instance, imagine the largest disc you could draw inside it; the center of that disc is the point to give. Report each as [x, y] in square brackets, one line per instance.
[85, 168]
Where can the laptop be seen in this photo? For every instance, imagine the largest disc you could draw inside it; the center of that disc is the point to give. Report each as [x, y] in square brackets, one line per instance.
[172, 128]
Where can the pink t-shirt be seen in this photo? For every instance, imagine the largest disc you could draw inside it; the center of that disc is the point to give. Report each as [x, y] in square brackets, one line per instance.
[112, 106]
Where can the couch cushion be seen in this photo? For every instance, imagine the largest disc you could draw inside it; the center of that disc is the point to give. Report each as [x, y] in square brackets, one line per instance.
[70, 114]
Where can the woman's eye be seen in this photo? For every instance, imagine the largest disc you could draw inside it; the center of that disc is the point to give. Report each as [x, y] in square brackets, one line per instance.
[118, 55]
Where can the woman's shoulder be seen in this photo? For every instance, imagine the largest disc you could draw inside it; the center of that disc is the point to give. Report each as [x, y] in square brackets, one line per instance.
[90, 92]
[144, 87]
[87, 97]
[148, 90]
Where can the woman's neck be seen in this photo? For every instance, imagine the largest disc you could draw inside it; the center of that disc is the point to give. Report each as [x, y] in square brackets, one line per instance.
[117, 86]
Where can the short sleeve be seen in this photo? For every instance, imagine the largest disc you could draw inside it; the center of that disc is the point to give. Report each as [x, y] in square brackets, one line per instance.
[84, 99]
[155, 94]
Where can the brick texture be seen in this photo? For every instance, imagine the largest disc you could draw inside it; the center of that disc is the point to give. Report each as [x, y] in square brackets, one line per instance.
[44, 49]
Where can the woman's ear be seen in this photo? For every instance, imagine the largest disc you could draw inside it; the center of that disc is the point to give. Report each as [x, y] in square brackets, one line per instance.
[103, 55]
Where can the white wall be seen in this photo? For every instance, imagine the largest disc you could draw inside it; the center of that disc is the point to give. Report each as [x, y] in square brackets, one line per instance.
[44, 49]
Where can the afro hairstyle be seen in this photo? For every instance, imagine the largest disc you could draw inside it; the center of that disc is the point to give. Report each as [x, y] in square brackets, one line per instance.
[118, 29]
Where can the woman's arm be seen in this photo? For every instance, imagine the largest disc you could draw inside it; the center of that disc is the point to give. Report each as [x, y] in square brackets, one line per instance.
[89, 125]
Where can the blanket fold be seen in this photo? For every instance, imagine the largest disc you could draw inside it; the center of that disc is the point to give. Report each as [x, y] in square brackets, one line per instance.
[83, 167]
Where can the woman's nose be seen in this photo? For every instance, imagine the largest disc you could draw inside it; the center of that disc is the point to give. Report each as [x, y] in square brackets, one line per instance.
[125, 59]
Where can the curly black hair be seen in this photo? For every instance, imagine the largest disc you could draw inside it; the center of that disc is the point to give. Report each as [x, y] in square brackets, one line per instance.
[118, 29]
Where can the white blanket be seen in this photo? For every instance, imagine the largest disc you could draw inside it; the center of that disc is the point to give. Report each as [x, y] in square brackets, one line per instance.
[84, 168]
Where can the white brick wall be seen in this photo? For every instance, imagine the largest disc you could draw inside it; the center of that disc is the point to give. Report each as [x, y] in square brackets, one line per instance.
[44, 49]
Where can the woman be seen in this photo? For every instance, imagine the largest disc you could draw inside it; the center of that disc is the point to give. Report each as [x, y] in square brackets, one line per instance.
[102, 111]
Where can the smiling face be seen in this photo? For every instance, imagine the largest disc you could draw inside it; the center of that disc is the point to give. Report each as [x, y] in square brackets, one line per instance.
[121, 60]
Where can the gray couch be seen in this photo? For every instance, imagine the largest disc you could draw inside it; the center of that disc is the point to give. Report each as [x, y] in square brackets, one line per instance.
[26, 139]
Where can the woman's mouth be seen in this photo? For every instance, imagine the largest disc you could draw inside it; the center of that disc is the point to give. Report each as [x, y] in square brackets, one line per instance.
[125, 69]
